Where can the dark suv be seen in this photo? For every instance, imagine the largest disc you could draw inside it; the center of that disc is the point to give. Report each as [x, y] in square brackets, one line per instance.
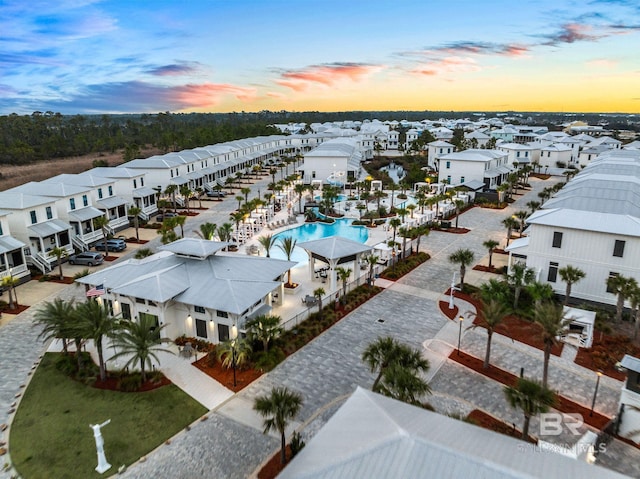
[114, 244]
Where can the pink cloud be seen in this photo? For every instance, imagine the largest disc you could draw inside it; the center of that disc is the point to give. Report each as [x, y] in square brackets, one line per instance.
[327, 75]
[209, 94]
[447, 65]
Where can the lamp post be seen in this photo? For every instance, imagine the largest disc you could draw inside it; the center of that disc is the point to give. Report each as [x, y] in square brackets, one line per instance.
[595, 393]
[460, 320]
[234, 337]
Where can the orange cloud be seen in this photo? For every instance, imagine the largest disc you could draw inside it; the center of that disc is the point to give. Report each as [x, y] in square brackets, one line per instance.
[447, 65]
[209, 94]
[326, 75]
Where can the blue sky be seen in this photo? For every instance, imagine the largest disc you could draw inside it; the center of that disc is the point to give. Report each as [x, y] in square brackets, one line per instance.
[90, 56]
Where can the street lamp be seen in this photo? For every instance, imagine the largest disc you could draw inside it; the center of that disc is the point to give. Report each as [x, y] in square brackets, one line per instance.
[234, 337]
[595, 393]
[460, 320]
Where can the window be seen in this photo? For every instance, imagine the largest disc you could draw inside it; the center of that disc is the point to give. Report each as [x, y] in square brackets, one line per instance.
[100, 193]
[609, 288]
[111, 191]
[313, 174]
[462, 179]
[222, 314]
[201, 328]
[1, 235]
[449, 179]
[140, 301]
[618, 248]
[126, 310]
[109, 304]
[85, 200]
[72, 203]
[553, 272]
[135, 184]
[448, 165]
[199, 309]
[557, 239]
[141, 181]
[34, 218]
[49, 212]
[223, 332]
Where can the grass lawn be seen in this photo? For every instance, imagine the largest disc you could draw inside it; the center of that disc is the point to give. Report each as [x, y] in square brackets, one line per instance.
[51, 437]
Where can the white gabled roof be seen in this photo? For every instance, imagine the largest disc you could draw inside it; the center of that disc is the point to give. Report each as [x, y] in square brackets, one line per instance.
[474, 154]
[334, 247]
[586, 221]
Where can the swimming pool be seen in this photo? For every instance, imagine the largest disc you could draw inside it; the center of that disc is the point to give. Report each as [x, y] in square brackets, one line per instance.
[313, 231]
[318, 198]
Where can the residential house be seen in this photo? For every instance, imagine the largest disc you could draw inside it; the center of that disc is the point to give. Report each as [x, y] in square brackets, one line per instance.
[335, 161]
[191, 288]
[12, 258]
[555, 155]
[518, 153]
[436, 149]
[477, 138]
[490, 167]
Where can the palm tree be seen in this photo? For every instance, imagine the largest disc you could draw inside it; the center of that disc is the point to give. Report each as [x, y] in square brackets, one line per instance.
[404, 384]
[287, 245]
[394, 223]
[372, 260]
[135, 211]
[405, 233]
[490, 244]
[267, 242]
[239, 199]
[143, 253]
[167, 230]
[207, 231]
[521, 216]
[56, 317]
[420, 231]
[520, 276]
[533, 205]
[622, 287]
[264, 328]
[225, 231]
[278, 408]
[379, 355]
[463, 257]
[102, 222]
[186, 193]
[459, 204]
[540, 291]
[171, 190]
[490, 315]
[551, 318]
[570, 275]
[318, 293]
[411, 208]
[139, 341]
[245, 191]
[300, 189]
[634, 298]
[343, 275]
[59, 253]
[93, 321]
[510, 223]
[226, 355]
[531, 397]
[10, 283]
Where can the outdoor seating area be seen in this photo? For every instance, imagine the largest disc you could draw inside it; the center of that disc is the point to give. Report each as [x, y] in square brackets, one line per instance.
[310, 300]
[321, 272]
[187, 351]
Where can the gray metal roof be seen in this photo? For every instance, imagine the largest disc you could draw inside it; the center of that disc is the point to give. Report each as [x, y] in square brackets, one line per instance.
[48, 228]
[194, 248]
[9, 243]
[631, 363]
[587, 221]
[57, 190]
[375, 436]
[85, 214]
[179, 180]
[111, 202]
[334, 247]
[475, 154]
[15, 200]
[144, 191]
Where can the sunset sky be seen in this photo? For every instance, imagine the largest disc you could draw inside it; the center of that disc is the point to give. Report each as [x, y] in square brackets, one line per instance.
[90, 56]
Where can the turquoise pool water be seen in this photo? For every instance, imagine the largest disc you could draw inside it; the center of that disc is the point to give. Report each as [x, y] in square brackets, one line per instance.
[313, 231]
[339, 198]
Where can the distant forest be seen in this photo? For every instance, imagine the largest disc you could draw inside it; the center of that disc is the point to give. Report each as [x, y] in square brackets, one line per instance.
[43, 136]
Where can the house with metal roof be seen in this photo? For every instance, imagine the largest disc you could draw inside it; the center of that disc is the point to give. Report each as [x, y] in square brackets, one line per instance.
[335, 161]
[12, 259]
[517, 152]
[375, 436]
[592, 223]
[193, 288]
[491, 167]
[436, 149]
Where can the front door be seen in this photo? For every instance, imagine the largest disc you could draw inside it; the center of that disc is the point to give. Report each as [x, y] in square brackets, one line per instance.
[154, 321]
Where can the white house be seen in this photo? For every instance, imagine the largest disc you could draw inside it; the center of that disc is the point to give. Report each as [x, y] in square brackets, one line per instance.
[477, 138]
[191, 288]
[592, 223]
[393, 138]
[34, 221]
[335, 161]
[490, 167]
[436, 149]
[554, 155]
[629, 406]
[12, 259]
[517, 152]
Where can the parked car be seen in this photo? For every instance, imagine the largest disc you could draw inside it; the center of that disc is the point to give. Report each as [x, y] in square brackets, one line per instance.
[169, 214]
[216, 194]
[88, 258]
[113, 244]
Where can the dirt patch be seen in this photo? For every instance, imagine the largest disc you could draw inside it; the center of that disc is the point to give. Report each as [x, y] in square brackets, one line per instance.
[605, 352]
[272, 468]
[224, 376]
[53, 279]
[111, 258]
[136, 241]
[482, 419]
[486, 269]
[17, 309]
[456, 231]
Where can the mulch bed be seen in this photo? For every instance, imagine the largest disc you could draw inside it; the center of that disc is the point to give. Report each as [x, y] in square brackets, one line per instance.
[605, 352]
[456, 231]
[482, 419]
[54, 279]
[111, 384]
[136, 241]
[563, 404]
[449, 313]
[486, 269]
[272, 468]
[224, 376]
[17, 309]
[542, 176]
[111, 258]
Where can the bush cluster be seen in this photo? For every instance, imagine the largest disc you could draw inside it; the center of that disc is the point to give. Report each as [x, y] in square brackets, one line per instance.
[404, 266]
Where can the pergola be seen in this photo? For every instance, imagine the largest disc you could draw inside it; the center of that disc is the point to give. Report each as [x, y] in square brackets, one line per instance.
[334, 251]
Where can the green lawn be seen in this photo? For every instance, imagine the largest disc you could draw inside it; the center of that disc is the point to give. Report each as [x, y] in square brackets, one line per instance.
[51, 437]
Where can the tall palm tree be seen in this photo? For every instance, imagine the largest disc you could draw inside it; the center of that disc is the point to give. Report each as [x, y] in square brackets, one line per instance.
[420, 231]
[459, 204]
[540, 291]
[490, 244]
[533, 205]
[238, 217]
[94, 321]
[531, 397]
[520, 277]
[411, 209]
[551, 318]
[300, 189]
[343, 275]
[59, 253]
[379, 355]
[171, 191]
[10, 283]
[56, 318]
[102, 222]
[521, 216]
[634, 299]
[404, 384]
[287, 245]
[463, 257]
[264, 328]
[207, 231]
[278, 408]
[570, 275]
[622, 287]
[372, 260]
[510, 223]
[245, 191]
[491, 314]
[139, 341]
[134, 211]
[318, 293]
[186, 193]
[225, 231]
[394, 223]
[267, 242]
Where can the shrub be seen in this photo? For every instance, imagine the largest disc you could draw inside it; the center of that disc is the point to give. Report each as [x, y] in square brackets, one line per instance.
[66, 364]
[561, 164]
[130, 382]
[266, 361]
[296, 444]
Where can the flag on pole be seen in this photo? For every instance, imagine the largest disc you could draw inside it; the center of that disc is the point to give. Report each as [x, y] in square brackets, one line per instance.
[96, 291]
